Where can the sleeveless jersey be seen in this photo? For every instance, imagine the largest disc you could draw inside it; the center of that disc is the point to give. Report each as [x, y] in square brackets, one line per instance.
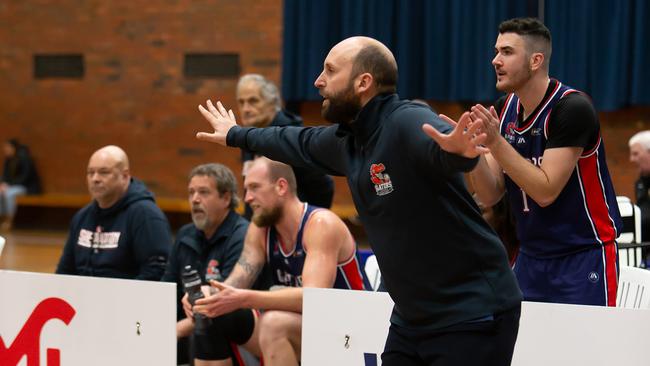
[585, 214]
[286, 268]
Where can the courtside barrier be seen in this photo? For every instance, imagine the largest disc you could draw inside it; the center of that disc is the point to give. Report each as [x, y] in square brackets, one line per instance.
[53, 320]
[343, 327]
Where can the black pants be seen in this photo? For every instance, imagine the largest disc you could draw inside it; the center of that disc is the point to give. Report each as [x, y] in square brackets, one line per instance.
[235, 327]
[488, 343]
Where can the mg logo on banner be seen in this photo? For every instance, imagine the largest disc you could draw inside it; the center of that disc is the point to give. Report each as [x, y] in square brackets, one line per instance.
[27, 342]
[53, 320]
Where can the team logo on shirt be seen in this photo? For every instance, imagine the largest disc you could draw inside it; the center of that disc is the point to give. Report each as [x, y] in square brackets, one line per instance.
[98, 239]
[212, 272]
[510, 132]
[593, 277]
[381, 180]
[288, 279]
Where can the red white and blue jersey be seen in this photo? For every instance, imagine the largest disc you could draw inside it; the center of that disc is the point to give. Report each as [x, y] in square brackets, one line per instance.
[585, 214]
[286, 268]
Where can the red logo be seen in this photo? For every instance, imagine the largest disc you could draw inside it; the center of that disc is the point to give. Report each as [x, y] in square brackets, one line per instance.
[380, 179]
[376, 174]
[511, 128]
[213, 272]
[213, 266]
[27, 342]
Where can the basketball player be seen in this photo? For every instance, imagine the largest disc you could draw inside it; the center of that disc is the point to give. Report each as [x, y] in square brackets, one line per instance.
[547, 154]
[303, 246]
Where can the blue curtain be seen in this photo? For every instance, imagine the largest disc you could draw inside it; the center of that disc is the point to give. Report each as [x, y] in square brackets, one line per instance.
[601, 48]
[444, 47]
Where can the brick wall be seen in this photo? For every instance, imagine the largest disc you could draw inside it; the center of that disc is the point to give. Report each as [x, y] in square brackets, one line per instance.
[134, 93]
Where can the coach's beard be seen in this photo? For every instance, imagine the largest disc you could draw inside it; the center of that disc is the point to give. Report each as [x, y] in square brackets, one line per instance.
[342, 107]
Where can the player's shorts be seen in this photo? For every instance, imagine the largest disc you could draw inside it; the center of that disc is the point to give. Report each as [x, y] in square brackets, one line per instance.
[588, 277]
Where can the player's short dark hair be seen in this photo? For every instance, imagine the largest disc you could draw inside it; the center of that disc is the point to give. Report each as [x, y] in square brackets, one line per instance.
[531, 27]
[372, 60]
[537, 36]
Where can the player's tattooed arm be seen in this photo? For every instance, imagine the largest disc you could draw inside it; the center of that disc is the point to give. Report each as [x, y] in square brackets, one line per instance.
[250, 262]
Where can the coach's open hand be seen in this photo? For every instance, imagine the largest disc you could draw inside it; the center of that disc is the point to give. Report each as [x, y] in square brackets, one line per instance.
[220, 119]
[465, 139]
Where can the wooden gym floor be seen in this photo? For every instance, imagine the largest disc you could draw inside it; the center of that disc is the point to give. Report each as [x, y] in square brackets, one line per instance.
[39, 250]
[32, 251]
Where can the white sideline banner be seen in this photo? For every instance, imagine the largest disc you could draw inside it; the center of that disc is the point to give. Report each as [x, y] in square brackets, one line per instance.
[343, 327]
[52, 320]
[561, 334]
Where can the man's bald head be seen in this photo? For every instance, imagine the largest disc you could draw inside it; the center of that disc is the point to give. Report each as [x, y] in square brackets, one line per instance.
[355, 71]
[108, 175]
[371, 56]
[114, 154]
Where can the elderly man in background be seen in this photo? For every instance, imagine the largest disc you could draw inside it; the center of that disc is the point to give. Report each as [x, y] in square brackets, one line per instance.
[260, 105]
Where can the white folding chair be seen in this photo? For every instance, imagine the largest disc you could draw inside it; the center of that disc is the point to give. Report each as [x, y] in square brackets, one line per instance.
[631, 215]
[633, 288]
[372, 272]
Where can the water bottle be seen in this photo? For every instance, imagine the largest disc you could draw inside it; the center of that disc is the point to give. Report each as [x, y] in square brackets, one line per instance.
[192, 285]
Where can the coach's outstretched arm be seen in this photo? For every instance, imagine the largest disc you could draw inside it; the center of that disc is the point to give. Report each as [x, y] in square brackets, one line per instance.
[308, 147]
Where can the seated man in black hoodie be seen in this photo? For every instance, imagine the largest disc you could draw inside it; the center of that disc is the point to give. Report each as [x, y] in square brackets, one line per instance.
[121, 233]
[260, 106]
